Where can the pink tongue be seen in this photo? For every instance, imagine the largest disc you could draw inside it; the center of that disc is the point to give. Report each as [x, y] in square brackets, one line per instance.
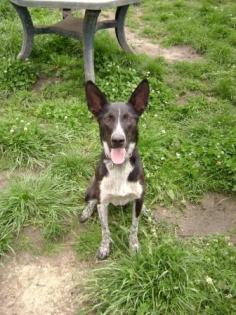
[118, 155]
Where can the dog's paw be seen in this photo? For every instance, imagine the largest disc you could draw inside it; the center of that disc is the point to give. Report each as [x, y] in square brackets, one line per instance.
[134, 245]
[103, 252]
[88, 211]
[83, 218]
[85, 215]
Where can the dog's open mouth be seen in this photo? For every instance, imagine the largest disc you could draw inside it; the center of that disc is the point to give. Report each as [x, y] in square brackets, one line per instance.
[118, 155]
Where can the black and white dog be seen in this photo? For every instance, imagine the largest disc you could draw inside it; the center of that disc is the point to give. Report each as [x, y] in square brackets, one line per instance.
[119, 176]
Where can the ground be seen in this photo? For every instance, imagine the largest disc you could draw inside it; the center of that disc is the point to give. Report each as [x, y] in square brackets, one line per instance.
[41, 285]
[42, 282]
[49, 146]
[51, 283]
[144, 46]
[214, 215]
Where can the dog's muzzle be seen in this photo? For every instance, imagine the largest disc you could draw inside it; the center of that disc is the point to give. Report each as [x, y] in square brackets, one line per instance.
[118, 141]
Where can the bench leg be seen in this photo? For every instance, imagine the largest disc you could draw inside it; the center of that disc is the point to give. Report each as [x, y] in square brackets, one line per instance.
[89, 29]
[120, 28]
[28, 31]
[66, 13]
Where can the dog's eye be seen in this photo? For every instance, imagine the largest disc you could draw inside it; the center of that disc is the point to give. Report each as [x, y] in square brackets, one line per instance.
[109, 118]
[126, 117]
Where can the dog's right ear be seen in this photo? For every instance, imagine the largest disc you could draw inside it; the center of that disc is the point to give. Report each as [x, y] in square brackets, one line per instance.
[95, 98]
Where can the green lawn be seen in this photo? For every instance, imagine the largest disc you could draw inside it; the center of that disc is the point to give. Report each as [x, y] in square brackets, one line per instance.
[49, 146]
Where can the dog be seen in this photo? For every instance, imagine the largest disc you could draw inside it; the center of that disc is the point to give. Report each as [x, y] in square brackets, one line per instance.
[119, 176]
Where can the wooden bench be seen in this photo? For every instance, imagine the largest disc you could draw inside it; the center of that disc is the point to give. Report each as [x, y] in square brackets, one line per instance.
[83, 29]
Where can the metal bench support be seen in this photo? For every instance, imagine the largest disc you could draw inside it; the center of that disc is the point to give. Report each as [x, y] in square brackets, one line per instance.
[70, 26]
[89, 29]
[66, 13]
[120, 28]
[28, 31]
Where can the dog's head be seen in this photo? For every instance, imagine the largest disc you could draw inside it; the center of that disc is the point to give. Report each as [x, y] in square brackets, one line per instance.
[118, 121]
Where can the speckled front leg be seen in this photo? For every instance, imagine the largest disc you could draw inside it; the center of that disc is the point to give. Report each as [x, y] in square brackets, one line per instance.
[104, 249]
[133, 237]
[88, 211]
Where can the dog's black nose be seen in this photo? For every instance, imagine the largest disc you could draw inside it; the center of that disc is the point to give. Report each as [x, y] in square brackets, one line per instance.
[118, 142]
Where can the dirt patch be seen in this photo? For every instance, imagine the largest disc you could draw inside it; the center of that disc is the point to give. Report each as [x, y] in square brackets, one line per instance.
[184, 98]
[144, 46]
[216, 214]
[38, 279]
[171, 54]
[44, 81]
[41, 285]
[33, 234]
[6, 176]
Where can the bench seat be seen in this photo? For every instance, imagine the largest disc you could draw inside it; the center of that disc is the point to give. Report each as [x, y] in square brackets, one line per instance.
[74, 4]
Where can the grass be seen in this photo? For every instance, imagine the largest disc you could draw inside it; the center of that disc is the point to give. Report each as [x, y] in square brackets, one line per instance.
[207, 26]
[43, 200]
[187, 144]
[26, 142]
[168, 277]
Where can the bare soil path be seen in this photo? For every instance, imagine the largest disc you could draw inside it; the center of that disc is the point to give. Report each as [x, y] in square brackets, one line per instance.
[41, 285]
[143, 45]
[215, 214]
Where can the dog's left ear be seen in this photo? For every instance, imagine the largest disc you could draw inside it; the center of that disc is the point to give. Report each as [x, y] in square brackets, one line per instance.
[95, 98]
[139, 98]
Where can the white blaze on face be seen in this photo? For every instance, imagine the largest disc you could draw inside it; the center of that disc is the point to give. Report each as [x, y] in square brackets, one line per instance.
[118, 131]
[118, 154]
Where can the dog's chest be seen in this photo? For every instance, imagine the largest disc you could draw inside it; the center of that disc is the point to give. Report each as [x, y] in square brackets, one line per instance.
[115, 187]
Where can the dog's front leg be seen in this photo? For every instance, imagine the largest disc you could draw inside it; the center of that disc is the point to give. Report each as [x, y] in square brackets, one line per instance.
[104, 249]
[133, 237]
[88, 211]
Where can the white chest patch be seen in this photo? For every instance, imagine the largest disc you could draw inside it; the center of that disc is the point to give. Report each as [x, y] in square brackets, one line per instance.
[115, 187]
